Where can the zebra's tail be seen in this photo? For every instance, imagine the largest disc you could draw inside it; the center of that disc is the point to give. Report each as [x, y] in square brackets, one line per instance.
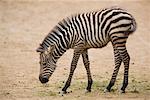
[133, 27]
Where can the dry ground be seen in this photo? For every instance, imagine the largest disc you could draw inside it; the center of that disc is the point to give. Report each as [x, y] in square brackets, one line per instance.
[24, 24]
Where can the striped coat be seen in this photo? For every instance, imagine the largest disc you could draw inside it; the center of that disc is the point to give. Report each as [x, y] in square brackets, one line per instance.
[88, 30]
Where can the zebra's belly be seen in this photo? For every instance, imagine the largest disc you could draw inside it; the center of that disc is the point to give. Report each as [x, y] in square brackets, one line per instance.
[96, 43]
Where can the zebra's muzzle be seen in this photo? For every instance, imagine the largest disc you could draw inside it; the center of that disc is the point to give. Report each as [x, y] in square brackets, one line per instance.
[43, 79]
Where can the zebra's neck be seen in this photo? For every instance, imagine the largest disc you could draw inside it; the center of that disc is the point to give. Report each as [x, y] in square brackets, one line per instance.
[46, 42]
[57, 38]
[57, 53]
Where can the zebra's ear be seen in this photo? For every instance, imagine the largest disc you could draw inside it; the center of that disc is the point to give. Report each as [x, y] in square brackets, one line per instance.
[40, 49]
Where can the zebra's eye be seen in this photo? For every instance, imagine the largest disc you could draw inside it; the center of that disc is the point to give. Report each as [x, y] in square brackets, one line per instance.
[44, 63]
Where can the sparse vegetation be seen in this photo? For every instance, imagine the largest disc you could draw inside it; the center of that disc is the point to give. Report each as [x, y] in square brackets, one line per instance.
[46, 93]
[25, 22]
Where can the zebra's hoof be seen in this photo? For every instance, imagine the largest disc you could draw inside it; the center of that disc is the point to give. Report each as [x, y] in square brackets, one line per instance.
[106, 91]
[122, 91]
[64, 92]
[87, 91]
[61, 93]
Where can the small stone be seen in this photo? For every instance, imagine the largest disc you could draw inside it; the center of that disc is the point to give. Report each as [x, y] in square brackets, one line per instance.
[59, 87]
[65, 68]
[132, 63]
[7, 93]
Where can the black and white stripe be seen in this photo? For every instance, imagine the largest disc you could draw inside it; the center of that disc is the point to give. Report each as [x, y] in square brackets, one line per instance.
[92, 30]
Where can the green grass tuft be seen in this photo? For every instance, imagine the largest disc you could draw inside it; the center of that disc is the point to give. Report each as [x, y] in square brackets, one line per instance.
[46, 93]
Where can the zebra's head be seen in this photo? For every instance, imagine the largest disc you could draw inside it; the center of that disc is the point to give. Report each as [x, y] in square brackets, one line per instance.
[47, 64]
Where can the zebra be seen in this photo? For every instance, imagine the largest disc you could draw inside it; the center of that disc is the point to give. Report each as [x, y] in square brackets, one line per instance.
[84, 31]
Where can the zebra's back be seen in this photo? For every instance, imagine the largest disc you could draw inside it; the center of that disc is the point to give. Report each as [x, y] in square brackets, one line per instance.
[96, 28]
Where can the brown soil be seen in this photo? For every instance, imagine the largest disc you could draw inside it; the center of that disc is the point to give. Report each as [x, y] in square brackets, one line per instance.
[24, 24]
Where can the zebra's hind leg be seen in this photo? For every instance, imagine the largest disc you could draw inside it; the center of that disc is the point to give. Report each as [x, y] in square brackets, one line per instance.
[75, 59]
[119, 42]
[87, 67]
[118, 61]
[126, 61]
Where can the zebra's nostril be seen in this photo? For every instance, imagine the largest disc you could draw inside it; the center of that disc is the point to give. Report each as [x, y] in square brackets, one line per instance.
[43, 79]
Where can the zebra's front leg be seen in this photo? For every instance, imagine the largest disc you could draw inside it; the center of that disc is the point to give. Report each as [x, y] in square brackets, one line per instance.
[118, 61]
[73, 67]
[87, 66]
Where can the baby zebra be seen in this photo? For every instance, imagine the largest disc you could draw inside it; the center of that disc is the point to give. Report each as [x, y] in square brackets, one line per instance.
[82, 32]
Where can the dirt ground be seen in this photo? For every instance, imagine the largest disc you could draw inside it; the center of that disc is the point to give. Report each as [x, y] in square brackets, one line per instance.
[24, 24]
